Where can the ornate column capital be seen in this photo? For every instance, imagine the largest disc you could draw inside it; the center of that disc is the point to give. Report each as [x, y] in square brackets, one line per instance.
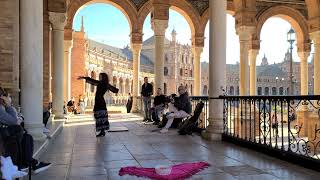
[314, 24]
[197, 50]
[254, 52]
[136, 37]
[304, 55]
[304, 46]
[136, 46]
[67, 45]
[245, 33]
[58, 20]
[198, 41]
[159, 26]
[315, 37]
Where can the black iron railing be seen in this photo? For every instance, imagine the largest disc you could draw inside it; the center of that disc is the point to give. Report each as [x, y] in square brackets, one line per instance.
[286, 126]
[203, 119]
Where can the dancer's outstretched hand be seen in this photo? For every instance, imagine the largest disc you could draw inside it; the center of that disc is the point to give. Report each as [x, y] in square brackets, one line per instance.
[80, 77]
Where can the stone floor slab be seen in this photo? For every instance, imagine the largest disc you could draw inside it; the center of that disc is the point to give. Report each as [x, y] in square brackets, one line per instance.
[77, 154]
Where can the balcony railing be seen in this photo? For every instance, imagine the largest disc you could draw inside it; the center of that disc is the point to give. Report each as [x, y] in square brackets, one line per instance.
[284, 126]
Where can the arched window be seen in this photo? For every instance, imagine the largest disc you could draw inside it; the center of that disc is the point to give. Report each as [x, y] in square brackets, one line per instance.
[274, 91]
[166, 58]
[231, 90]
[281, 91]
[259, 91]
[266, 91]
[182, 58]
[205, 90]
[238, 91]
[165, 71]
[191, 75]
[181, 72]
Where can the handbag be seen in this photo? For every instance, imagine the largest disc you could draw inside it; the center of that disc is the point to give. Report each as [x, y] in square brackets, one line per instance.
[7, 132]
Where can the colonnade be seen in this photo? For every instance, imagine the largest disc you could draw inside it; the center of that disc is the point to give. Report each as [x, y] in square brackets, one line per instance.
[32, 59]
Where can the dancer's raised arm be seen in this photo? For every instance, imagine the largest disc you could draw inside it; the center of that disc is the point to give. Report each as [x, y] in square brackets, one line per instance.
[89, 80]
[113, 89]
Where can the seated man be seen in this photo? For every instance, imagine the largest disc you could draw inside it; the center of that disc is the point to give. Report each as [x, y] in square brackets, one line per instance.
[71, 106]
[158, 106]
[181, 108]
[9, 117]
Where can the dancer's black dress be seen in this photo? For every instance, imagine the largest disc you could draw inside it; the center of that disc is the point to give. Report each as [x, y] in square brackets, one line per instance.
[100, 107]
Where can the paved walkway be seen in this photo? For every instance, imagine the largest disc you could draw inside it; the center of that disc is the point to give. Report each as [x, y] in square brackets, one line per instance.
[78, 155]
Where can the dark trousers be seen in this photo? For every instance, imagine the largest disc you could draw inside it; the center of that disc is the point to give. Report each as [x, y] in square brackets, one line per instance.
[20, 148]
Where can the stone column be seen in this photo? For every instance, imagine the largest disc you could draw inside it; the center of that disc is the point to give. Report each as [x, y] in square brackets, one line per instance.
[253, 78]
[315, 36]
[67, 69]
[244, 33]
[136, 49]
[31, 49]
[159, 27]
[304, 72]
[197, 70]
[217, 68]
[58, 21]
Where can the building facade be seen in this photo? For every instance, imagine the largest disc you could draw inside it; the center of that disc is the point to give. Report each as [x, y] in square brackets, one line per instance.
[91, 58]
[272, 79]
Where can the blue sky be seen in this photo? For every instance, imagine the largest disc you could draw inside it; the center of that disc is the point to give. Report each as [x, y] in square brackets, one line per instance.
[107, 24]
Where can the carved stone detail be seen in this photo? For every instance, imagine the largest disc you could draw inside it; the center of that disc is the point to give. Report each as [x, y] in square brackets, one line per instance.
[139, 3]
[200, 5]
[58, 20]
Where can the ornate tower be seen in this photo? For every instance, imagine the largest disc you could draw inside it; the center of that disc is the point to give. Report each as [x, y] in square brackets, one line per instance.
[78, 62]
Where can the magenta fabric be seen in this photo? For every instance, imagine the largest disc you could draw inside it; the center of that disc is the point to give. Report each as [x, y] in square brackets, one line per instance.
[178, 172]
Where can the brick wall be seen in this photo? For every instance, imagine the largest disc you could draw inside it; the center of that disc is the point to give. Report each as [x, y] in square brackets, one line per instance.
[46, 56]
[78, 64]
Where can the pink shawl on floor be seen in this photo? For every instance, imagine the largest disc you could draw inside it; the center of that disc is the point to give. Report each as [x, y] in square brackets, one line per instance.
[178, 172]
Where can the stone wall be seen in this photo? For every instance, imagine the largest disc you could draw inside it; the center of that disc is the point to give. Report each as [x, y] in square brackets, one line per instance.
[9, 47]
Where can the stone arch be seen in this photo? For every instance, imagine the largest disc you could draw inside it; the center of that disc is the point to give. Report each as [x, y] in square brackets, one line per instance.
[293, 16]
[182, 7]
[125, 6]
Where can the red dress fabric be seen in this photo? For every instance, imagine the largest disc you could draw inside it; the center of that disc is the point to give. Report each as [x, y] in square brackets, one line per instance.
[178, 172]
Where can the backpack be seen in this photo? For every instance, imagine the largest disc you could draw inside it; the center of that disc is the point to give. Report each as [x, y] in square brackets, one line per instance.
[191, 124]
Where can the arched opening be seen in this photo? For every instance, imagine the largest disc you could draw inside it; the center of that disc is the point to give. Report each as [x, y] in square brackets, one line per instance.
[281, 91]
[274, 91]
[231, 90]
[266, 91]
[259, 91]
[205, 90]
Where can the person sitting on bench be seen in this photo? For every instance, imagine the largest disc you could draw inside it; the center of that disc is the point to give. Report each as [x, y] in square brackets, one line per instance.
[158, 106]
[181, 108]
[9, 117]
[71, 106]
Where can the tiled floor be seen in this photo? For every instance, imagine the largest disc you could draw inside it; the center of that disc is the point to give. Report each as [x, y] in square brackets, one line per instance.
[78, 155]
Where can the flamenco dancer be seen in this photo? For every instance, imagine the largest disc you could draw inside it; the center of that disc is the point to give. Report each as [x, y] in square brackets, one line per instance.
[100, 107]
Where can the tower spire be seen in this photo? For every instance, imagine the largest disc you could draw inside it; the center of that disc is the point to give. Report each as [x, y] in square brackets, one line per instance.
[82, 24]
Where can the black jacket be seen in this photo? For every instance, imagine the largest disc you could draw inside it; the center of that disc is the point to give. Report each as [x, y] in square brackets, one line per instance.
[146, 90]
[183, 103]
[160, 99]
